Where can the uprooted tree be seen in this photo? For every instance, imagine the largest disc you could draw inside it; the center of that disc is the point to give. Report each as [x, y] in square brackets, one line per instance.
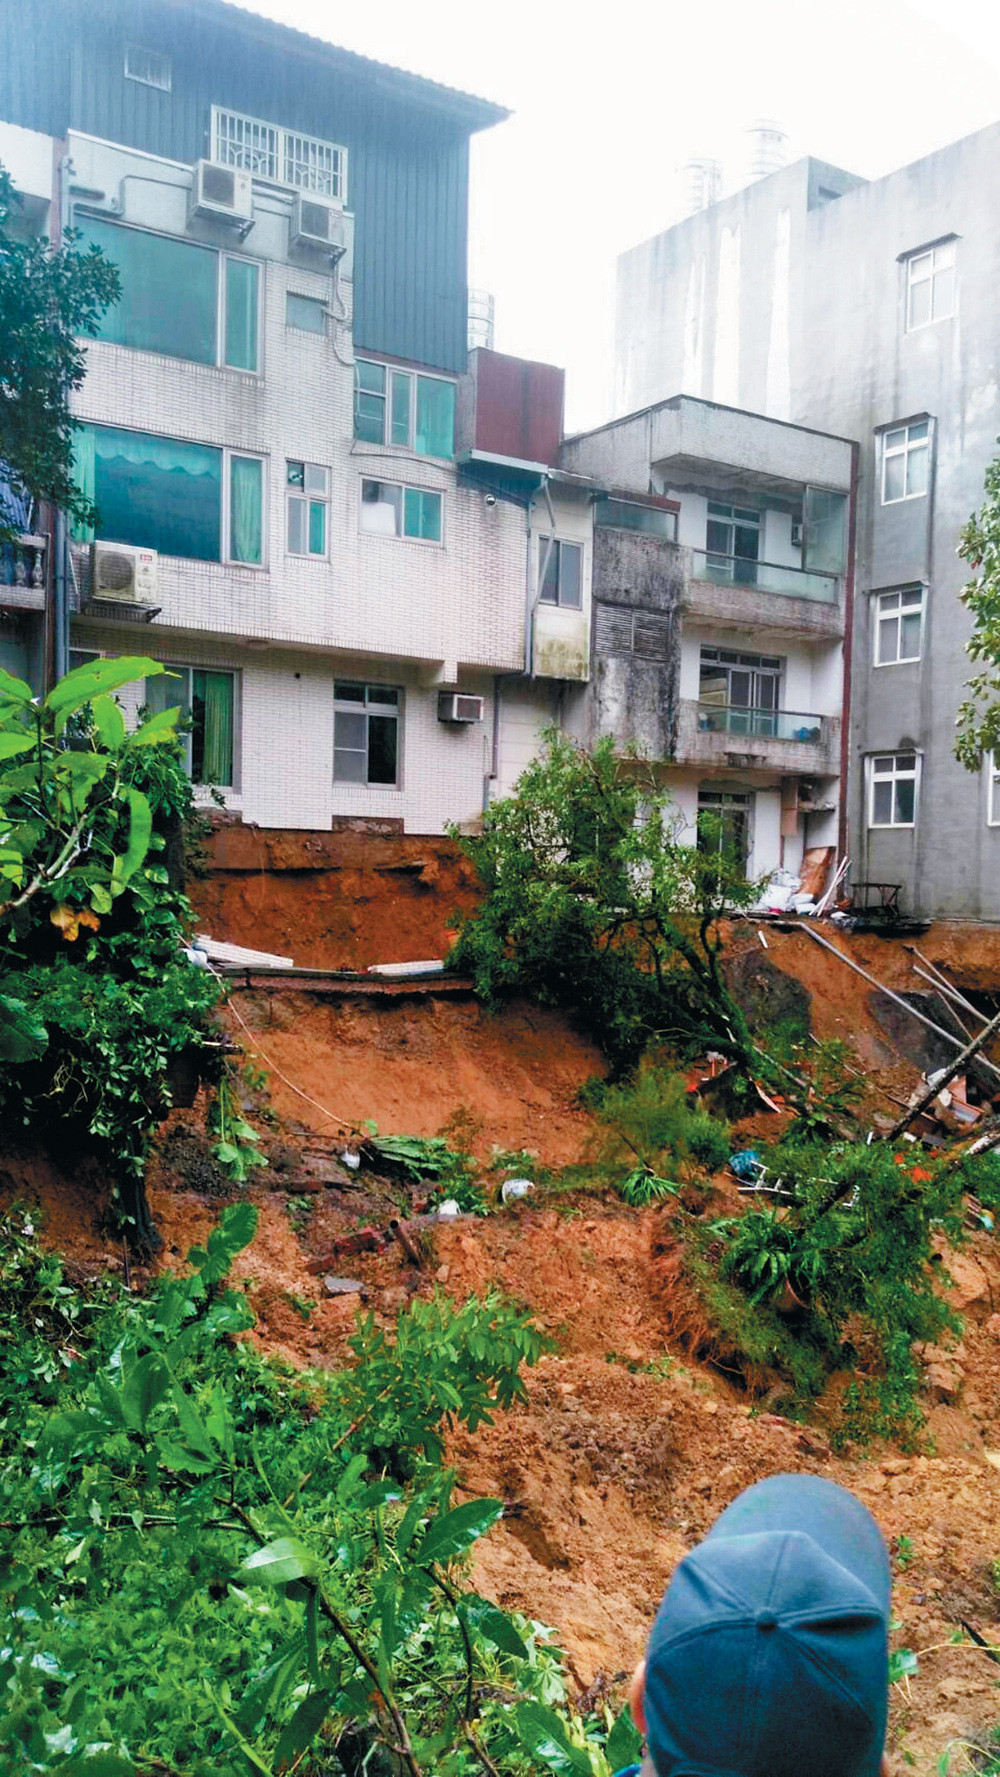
[598, 901]
[978, 719]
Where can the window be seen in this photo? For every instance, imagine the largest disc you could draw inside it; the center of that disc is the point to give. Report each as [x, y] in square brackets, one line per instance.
[560, 573]
[307, 313]
[893, 801]
[930, 285]
[732, 543]
[308, 496]
[150, 67]
[167, 494]
[388, 509]
[724, 824]
[748, 685]
[282, 157]
[993, 803]
[905, 457]
[405, 408]
[899, 622]
[635, 515]
[365, 734]
[209, 700]
[179, 298]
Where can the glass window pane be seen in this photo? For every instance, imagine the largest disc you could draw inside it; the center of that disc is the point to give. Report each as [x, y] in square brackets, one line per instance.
[169, 296]
[826, 530]
[212, 732]
[884, 763]
[944, 293]
[369, 419]
[896, 439]
[944, 255]
[548, 570]
[888, 601]
[241, 314]
[916, 469]
[370, 376]
[296, 473]
[888, 641]
[347, 692]
[920, 304]
[435, 428]
[909, 647]
[168, 693]
[305, 312]
[246, 517]
[382, 749]
[920, 266]
[400, 422]
[917, 430]
[296, 526]
[894, 483]
[570, 575]
[906, 796]
[317, 528]
[348, 768]
[349, 729]
[158, 493]
[382, 694]
[381, 508]
[906, 762]
[316, 478]
[882, 804]
[422, 515]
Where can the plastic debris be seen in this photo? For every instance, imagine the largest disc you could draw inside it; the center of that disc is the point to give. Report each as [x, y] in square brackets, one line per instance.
[448, 1210]
[514, 1188]
[747, 1164]
[351, 1161]
[342, 1286]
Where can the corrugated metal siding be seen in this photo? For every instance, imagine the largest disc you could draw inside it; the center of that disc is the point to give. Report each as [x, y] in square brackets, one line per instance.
[408, 170]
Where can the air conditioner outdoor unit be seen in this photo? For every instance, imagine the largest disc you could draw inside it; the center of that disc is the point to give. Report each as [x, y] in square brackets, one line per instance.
[120, 571]
[221, 192]
[454, 706]
[319, 224]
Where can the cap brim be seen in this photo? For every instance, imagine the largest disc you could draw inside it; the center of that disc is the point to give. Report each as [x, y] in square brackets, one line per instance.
[820, 1509]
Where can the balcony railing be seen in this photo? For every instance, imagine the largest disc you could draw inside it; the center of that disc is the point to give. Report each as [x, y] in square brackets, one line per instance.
[714, 718]
[765, 576]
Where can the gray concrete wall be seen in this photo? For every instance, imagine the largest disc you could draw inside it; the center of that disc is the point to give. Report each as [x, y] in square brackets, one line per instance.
[774, 301]
[637, 587]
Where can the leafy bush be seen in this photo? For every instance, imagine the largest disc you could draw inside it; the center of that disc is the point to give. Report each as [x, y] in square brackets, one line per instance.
[201, 1576]
[641, 1187]
[655, 1118]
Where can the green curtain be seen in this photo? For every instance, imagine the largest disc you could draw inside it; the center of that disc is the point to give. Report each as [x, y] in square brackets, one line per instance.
[246, 518]
[83, 475]
[213, 704]
[241, 314]
[435, 429]
[422, 514]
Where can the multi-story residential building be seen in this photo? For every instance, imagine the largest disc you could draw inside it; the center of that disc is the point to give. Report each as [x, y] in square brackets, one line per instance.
[866, 308]
[349, 590]
[720, 596]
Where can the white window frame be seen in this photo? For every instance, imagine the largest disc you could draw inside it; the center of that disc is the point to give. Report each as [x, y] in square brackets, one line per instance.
[391, 370]
[911, 599]
[894, 776]
[156, 60]
[342, 706]
[905, 450]
[401, 536]
[993, 789]
[558, 603]
[222, 256]
[228, 560]
[928, 265]
[317, 495]
[278, 156]
[187, 667]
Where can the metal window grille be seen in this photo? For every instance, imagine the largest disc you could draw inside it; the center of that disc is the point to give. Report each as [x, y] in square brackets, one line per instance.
[281, 156]
[149, 66]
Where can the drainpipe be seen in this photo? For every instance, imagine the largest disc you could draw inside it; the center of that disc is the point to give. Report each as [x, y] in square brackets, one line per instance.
[60, 577]
[530, 602]
[845, 720]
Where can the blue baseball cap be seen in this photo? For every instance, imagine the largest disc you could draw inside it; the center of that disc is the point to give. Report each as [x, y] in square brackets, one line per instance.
[769, 1654]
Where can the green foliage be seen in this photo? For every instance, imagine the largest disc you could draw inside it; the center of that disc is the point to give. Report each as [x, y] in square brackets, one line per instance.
[50, 299]
[427, 1158]
[655, 1117]
[236, 1149]
[854, 1244]
[978, 720]
[595, 902]
[96, 998]
[203, 1572]
[640, 1187]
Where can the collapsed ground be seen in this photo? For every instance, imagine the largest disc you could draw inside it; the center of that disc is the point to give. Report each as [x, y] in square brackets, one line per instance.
[627, 1449]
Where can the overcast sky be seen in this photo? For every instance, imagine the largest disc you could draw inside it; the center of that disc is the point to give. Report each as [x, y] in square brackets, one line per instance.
[609, 99]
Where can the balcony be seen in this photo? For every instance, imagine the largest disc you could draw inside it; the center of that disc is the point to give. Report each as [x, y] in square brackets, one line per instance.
[789, 741]
[23, 573]
[732, 592]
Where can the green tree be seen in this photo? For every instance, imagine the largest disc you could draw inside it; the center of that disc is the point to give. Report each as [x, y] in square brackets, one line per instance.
[597, 900]
[978, 719]
[49, 298]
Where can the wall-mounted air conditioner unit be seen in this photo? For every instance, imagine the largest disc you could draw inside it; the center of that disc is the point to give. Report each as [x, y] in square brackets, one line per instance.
[223, 192]
[319, 224]
[121, 572]
[454, 706]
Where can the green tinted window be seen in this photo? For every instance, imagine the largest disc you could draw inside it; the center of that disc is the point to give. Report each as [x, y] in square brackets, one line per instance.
[422, 514]
[169, 293]
[241, 314]
[435, 429]
[400, 408]
[159, 493]
[305, 312]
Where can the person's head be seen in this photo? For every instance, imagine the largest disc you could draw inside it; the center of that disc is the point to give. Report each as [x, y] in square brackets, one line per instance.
[769, 1654]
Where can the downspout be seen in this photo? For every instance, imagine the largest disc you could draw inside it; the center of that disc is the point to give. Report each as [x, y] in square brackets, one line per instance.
[531, 594]
[60, 580]
[845, 720]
